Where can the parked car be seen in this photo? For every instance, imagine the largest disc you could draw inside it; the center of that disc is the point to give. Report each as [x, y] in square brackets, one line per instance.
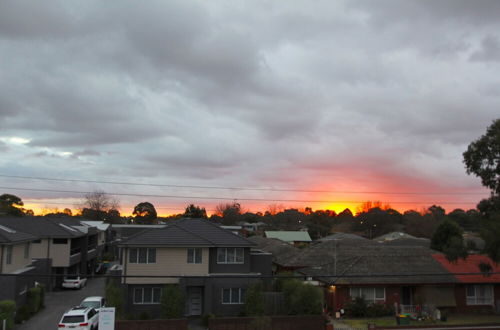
[80, 318]
[95, 302]
[74, 282]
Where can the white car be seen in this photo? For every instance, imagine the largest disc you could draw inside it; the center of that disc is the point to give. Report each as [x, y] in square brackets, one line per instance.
[95, 302]
[80, 318]
[74, 282]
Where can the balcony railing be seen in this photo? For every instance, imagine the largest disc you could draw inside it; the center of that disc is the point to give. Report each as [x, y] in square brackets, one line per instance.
[74, 251]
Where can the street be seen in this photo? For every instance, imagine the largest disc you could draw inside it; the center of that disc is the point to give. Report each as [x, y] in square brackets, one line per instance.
[56, 303]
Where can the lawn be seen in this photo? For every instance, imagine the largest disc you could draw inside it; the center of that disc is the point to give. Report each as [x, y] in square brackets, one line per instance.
[455, 319]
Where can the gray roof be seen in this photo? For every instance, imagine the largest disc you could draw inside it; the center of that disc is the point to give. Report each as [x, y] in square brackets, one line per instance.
[393, 236]
[341, 236]
[188, 232]
[382, 265]
[11, 236]
[41, 227]
[282, 252]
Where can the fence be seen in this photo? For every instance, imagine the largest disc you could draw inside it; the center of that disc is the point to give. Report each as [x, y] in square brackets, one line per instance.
[181, 324]
[299, 322]
[274, 303]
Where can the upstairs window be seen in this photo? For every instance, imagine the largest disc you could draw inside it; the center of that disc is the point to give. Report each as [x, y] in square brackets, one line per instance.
[194, 256]
[8, 257]
[230, 256]
[26, 250]
[60, 241]
[142, 256]
[480, 294]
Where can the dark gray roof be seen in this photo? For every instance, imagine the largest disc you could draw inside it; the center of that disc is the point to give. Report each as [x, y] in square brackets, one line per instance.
[282, 252]
[41, 227]
[11, 236]
[341, 236]
[188, 232]
[382, 265]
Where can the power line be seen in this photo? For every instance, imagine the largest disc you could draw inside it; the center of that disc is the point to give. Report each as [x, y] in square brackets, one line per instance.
[231, 198]
[59, 203]
[237, 188]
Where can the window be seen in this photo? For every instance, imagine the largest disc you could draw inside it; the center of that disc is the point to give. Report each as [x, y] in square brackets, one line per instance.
[230, 256]
[194, 255]
[233, 296]
[37, 241]
[60, 241]
[8, 257]
[371, 295]
[147, 296]
[142, 256]
[480, 294]
[27, 251]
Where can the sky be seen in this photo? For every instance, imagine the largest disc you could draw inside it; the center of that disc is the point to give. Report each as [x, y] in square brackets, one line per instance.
[323, 104]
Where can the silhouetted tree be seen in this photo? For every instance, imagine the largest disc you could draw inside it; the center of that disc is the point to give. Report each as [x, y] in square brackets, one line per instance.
[11, 205]
[194, 211]
[98, 204]
[229, 212]
[145, 213]
[482, 157]
[449, 240]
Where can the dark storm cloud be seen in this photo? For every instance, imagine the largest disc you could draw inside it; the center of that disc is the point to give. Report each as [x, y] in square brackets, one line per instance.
[242, 93]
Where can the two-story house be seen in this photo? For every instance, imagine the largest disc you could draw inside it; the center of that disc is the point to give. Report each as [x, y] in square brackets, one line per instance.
[69, 246]
[210, 264]
[16, 266]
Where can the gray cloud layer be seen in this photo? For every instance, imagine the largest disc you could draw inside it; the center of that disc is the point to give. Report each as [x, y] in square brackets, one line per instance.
[252, 94]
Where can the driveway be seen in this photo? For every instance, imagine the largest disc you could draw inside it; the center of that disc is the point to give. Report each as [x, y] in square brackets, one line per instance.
[56, 303]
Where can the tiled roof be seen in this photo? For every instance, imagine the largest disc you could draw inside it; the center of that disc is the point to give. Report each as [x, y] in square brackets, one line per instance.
[383, 265]
[188, 232]
[282, 252]
[289, 236]
[39, 227]
[470, 266]
[9, 235]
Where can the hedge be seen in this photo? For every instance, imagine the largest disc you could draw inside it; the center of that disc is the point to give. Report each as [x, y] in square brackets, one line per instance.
[8, 312]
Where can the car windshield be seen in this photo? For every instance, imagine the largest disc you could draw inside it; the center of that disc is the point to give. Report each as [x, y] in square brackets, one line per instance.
[93, 304]
[73, 319]
[71, 277]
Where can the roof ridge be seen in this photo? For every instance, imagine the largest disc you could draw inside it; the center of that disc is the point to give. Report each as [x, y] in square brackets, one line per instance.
[189, 231]
[222, 229]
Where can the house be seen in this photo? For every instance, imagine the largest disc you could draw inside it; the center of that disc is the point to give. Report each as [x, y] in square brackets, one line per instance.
[211, 265]
[399, 275]
[474, 291]
[71, 247]
[282, 253]
[292, 237]
[16, 265]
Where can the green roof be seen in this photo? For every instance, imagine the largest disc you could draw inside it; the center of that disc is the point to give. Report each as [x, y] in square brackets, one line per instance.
[289, 236]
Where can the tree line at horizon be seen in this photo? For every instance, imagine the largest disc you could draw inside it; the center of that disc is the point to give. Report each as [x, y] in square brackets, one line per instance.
[372, 219]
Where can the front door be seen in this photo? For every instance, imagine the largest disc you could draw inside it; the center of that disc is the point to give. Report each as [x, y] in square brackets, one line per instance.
[194, 300]
[406, 295]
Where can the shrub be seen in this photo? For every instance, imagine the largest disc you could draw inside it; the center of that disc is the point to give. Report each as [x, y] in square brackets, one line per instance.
[34, 300]
[377, 310]
[356, 307]
[302, 298]
[42, 296]
[205, 318]
[254, 300]
[173, 302]
[282, 279]
[114, 298]
[22, 314]
[8, 312]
